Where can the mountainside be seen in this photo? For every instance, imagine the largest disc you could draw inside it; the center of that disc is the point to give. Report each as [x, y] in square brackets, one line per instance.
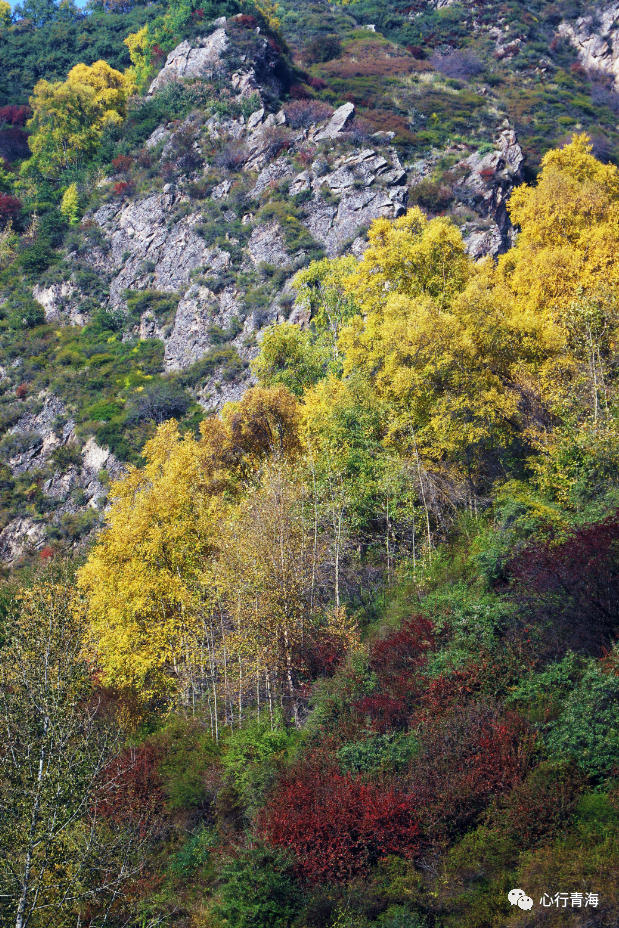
[309, 456]
[210, 197]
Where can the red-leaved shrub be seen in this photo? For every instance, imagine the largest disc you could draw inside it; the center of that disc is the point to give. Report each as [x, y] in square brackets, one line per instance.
[122, 188]
[299, 92]
[246, 20]
[131, 791]
[570, 588]
[337, 826]
[10, 208]
[466, 757]
[396, 660]
[122, 164]
[488, 677]
[15, 115]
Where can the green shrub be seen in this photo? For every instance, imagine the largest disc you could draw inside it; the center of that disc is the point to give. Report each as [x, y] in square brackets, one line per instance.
[588, 728]
[257, 891]
[390, 751]
[252, 756]
[37, 258]
[27, 315]
[323, 48]
[106, 320]
[74, 526]
[67, 455]
[288, 356]
[104, 411]
[161, 401]
[225, 361]
[186, 750]
[194, 853]
[161, 305]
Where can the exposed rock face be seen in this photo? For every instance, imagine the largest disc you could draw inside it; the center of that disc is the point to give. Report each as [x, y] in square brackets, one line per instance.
[481, 186]
[85, 478]
[487, 187]
[60, 302]
[267, 246]
[187, 61]
[161, 134]
[271, 175]
[369, 186]
[148, 253]
[20, 537]
[338, 123]
[44, 432]
[596, 39]
[197, 313]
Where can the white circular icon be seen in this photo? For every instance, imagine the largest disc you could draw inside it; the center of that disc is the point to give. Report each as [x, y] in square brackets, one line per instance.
[525, 902]
[515, 894]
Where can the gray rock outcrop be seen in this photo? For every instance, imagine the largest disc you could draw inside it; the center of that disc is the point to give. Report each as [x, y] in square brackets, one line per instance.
[596, 40]
[145, 251]
[486, 187]
[267, 245]
[338, 123]
[20, 537]
[61, 303]
[203, 59]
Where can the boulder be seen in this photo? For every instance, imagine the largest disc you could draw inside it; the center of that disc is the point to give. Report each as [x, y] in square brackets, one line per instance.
[203, 59]
[338, 123]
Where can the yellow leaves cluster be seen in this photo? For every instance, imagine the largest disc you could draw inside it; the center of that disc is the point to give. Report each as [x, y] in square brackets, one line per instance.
[569, 231]
[150, 581]
[140, 580]
[139, 44]
[413, 256]
[455, 350]
[69, 117]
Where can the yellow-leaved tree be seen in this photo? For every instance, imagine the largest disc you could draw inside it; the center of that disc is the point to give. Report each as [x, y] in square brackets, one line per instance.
[421, 345]
[161, 617]
[563, 276]
[68, 117]
[141, 580]
[569, 230]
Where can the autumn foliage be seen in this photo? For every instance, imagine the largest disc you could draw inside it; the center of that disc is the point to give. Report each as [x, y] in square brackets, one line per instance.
[14, 115]
[466, 757]
[122, 164]
[571, 585]
[131, 790]
[396, 660]
[10, 208]
[338, 825]
[122, 188]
